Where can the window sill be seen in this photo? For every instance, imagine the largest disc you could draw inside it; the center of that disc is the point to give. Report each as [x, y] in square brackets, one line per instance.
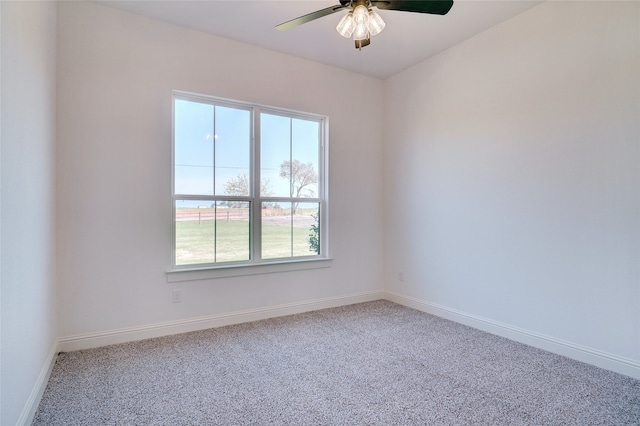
[180, 275]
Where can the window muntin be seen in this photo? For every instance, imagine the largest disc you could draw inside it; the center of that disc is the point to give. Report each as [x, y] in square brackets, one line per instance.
[244, 197]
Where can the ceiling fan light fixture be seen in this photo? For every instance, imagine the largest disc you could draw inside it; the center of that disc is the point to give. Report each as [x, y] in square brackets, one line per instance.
[362, 22]
[361, 19]
[361, 32]
[347, 25]
[376, 24]
[361, 14]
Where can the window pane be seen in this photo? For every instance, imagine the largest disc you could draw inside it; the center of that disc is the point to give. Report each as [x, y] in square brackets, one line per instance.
[232, 231]
[275, 151]
[305, 148]
[195, 230]
[194, 180]
[208, 232]
[193, 148]
[276, 230]
[232, 155]
[306, 229]
[290, 229]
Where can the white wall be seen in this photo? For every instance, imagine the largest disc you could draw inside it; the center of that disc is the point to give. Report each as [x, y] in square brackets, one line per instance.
[512, 179]
[29, 334]
[116, 73]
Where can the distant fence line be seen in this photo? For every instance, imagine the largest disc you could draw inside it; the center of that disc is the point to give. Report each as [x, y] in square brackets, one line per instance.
[271, 215]
[211, 214]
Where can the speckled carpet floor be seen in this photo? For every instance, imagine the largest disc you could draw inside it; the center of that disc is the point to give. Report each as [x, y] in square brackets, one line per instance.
[375, 363]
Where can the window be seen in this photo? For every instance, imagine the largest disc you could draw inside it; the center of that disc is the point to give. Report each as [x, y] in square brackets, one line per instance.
[248, 183]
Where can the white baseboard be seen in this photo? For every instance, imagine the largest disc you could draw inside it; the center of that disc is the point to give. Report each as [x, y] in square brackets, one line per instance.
[592, 356]
[585, 354]
[622, 365]
[93, 340]
[30, 408]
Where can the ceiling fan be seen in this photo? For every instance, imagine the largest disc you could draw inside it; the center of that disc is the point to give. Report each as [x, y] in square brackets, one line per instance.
[363, 22]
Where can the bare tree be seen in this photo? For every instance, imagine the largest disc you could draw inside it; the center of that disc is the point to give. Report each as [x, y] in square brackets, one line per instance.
[300, 176]
[239, 185]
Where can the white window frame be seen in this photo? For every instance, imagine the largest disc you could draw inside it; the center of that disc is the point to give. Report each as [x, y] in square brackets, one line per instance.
[255, 264]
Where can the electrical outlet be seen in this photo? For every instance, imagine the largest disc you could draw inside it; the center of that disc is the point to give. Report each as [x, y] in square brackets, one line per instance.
[176, 296]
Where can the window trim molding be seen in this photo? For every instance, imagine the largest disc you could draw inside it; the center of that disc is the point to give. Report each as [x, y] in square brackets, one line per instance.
[255, 266]
[246, 269]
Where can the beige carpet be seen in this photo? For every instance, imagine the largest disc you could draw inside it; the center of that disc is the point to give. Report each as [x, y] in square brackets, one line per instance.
[374, 363]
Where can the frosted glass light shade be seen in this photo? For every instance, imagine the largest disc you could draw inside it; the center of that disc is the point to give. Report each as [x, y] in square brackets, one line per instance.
[361, 32]
[361, 19]
[347, 25]
[361, 15]
[376, 24]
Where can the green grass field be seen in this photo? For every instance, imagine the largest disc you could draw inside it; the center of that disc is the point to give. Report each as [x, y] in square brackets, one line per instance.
[195, 241]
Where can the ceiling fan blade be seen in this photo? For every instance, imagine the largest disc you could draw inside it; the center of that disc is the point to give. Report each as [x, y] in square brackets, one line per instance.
[309, 17]
[436, 7]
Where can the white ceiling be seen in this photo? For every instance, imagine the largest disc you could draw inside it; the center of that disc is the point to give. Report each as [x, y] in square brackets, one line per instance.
[408, 38]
